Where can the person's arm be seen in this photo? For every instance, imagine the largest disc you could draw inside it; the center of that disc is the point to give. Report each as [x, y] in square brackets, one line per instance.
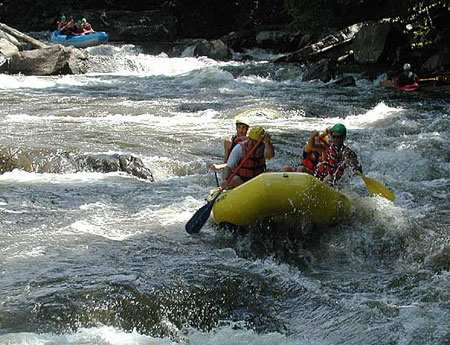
[311, 141]
[269, 151]
[217, 167]
[226, 149]
[232, 163]
[225, 175]
[351, 159]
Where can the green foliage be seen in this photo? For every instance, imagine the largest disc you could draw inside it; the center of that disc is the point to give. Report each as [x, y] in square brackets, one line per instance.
[418, 22]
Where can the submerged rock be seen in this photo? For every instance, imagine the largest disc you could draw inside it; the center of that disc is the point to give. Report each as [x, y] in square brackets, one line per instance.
[7, 48]
[441, 260]
[116, 162]
[64, 162]
[344, 82]
[214, 49]
[325, 70]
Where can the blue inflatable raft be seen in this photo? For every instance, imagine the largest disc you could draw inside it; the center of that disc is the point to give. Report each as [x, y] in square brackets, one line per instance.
[80, 41]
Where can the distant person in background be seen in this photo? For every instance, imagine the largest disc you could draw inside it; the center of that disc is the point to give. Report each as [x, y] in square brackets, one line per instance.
[78, 28]
[69, 28]
[86, 26]
[61, 23]
[407, 77]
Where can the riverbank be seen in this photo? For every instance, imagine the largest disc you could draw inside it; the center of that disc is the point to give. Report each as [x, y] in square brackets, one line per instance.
[367, 43]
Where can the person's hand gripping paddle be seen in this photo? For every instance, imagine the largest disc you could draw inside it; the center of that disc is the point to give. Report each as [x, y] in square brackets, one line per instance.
[200, 217]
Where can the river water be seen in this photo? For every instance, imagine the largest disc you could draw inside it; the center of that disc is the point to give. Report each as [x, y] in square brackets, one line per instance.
[103, 258]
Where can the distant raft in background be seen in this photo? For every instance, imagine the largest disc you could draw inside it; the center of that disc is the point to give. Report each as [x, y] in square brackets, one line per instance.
[80, 41]
[298, 196]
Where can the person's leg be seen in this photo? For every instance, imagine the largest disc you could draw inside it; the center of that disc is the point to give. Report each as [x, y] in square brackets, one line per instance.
[235, 181]
[288, 168]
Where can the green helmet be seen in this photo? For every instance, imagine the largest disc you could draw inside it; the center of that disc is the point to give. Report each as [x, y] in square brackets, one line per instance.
[340, 129]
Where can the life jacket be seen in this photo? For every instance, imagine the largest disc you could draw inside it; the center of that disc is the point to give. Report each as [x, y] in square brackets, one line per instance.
[87, 28]
[336, 161]
[60, 25]
[255, 164]
[69, 28]
[234, 141]
[311, 157]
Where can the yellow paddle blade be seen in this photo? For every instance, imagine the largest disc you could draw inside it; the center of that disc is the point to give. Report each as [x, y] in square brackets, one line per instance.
[376, 187]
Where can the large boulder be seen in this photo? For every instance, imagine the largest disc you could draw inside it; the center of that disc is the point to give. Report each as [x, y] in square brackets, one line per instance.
[3, 63]
[116, 162]
[214, 49]
[43, 161]
[328, 47]
[438, 62]
[7, 49]
[440, 260]
[6, 36]
[324, 70]
[237, 40]
[374, 41]
[53, 60]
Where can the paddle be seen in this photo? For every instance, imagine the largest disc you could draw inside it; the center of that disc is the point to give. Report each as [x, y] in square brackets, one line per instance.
[200, 217]
[217, 180]
[376, 187]
[444, 77]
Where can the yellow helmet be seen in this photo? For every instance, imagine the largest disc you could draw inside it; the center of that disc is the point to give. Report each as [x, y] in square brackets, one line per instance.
[256, 133]
[241, 120]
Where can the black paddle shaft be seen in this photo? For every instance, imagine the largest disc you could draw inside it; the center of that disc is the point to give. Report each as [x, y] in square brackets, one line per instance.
[200, 217]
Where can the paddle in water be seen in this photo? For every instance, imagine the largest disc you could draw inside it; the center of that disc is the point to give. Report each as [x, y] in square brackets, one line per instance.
[200, 217]
[376, 187]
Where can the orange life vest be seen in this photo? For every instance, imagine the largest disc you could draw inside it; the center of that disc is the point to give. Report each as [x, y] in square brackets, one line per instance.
[255, 164]
[311, 157]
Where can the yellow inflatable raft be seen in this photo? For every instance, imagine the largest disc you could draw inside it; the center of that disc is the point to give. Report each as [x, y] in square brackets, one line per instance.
[297, 195]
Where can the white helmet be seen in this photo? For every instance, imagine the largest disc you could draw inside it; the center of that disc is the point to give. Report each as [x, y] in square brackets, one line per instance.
[406, 67]
[242, 120]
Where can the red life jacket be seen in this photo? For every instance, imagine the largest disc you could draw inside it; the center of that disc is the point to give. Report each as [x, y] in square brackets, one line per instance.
[234, 141]
[311, 157]
[255, 164]
[310, 161]
[329, 165]
[336, 161]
